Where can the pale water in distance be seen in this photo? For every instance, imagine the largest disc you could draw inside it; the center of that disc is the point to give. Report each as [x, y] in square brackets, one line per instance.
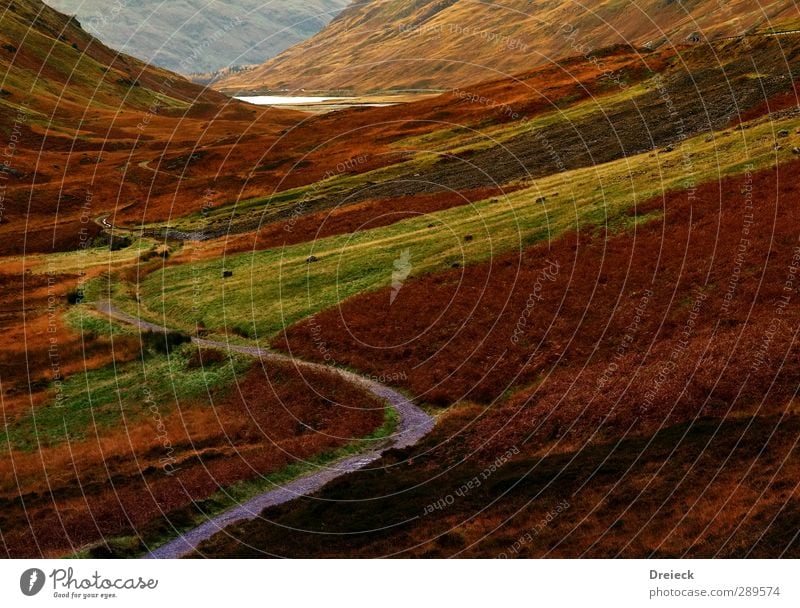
[277, 100]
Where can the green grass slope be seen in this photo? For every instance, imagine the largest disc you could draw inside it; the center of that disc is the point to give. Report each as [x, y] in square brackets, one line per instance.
[273, 288]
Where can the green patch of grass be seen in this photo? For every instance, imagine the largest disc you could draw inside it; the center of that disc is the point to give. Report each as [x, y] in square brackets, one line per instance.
[90, 324]
[282, 203]
[100, 401]
[81, 260]
[274, 288]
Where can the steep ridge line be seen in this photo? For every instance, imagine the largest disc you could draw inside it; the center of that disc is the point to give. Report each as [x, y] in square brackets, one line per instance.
[422, 44]
[413, 425]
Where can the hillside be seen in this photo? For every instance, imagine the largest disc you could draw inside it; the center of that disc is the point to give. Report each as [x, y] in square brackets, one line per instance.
[584, 277]
[105, 426]
[615, 342]
[83, 122]
[437, 44]
[525, 257]
[48, 59]
[201, 35]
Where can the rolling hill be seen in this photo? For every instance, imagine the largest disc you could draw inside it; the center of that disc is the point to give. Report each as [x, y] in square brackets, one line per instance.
[105, 426]
[201, 35]
[593, 337]
[587, 273]
[48, 59]
[86, 121]
[437, 44]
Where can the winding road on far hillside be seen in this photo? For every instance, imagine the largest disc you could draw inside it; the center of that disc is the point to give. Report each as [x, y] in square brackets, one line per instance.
[413, 425]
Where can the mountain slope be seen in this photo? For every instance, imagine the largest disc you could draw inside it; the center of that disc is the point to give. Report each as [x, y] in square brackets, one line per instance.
[47, 59]
[434, 44]
[202, 35]
[81, 123]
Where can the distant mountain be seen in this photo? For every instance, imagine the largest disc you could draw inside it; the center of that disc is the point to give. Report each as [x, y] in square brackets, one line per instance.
[190, 36]
[434, 44]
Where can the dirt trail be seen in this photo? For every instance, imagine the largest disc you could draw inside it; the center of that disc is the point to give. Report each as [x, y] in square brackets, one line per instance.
[413, 425]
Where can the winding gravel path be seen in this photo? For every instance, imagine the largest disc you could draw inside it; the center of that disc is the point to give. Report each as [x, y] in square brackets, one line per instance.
[413, 425]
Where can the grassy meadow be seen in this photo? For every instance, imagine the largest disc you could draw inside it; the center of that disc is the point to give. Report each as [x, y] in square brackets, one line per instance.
[274, 288]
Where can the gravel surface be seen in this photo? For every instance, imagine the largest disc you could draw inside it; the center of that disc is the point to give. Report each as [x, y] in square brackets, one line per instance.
[413, 425]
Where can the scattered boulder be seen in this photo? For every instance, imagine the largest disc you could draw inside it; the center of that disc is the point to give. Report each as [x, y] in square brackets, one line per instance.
[164, 342]
[795, 150]
[541, 199]
[129, 82]
[11, 171]
[114, 242]
[227, 273]
[75, 296]
[312, 258]
[783, 133]
[117, 242]
[183, 161]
